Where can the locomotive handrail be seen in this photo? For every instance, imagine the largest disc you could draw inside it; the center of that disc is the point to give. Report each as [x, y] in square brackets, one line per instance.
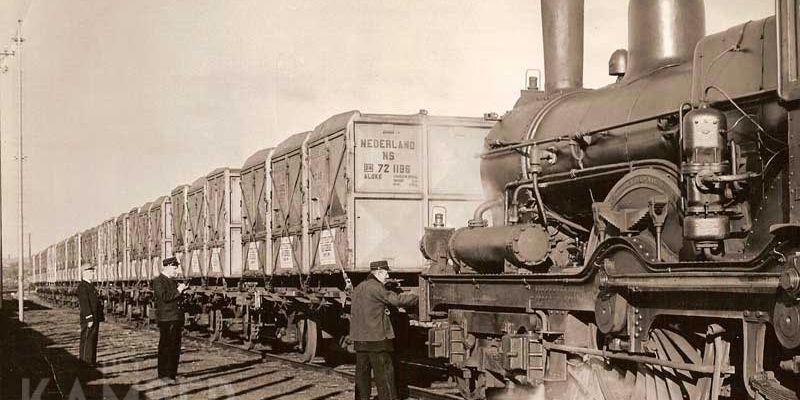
[548, 180]
[506, 147]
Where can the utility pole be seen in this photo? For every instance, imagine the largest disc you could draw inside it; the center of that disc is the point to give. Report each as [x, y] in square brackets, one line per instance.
[30, 255]
[20, 300]
[3, 70]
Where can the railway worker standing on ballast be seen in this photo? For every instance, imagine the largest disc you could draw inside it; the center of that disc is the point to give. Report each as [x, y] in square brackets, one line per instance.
[91, 316]
[167, 293]
[372, 333]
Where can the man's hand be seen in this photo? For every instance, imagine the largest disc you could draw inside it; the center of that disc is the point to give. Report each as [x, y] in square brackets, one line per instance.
[91, 324]
[182, 287]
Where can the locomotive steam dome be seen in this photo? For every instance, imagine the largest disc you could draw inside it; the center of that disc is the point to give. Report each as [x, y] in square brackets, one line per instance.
[662, 33]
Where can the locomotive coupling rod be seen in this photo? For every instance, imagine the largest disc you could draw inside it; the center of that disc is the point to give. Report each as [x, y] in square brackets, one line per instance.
[701, 369]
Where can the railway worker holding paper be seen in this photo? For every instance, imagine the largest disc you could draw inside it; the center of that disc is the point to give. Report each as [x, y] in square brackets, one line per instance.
[167, 293]
[372, 333]
[91, 315]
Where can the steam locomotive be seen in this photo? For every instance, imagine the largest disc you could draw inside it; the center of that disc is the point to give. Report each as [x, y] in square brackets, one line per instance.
[641, 240]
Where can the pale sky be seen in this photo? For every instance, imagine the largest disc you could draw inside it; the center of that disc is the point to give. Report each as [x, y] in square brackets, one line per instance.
[124, 100]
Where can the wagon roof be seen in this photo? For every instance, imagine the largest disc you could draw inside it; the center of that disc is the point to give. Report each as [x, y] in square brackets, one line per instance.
[221, 170]
[291, 144]
[257, 158]
[333, 124]
[198, 183]
[159, 201]
[180, 188]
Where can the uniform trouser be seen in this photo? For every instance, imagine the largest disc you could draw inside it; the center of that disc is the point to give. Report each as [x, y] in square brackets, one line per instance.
[169, 348]
[382, 364]
[88, 351]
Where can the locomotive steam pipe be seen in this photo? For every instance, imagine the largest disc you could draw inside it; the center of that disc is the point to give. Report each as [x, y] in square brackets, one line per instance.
[477, 216]
[562, 32]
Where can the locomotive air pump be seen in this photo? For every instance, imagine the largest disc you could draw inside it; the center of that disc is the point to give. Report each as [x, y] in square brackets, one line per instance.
[709, 169]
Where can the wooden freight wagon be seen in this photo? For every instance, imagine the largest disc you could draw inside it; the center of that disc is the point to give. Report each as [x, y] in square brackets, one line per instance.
[197, 228]
[180, 226]
[256, 185]
[288, 193]
[160, 233]
[224, 240]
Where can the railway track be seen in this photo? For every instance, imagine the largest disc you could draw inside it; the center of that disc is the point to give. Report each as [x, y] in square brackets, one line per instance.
[346, 371]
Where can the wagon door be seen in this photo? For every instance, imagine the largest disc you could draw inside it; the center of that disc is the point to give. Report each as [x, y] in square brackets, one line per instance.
[223, 221]
[179, 215]
[287, 216]
[328, 191]
[255, 200]
[197, 231]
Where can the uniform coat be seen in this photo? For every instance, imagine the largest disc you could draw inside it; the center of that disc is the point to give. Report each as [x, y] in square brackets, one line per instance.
[165, 292]
[170, 324]
[371, 330]
[91, 310]
[369, 315]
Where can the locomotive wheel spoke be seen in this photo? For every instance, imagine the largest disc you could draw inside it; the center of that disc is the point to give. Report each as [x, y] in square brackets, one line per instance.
[669, 375]
[686, 348]
[651, 392]
[623, 380]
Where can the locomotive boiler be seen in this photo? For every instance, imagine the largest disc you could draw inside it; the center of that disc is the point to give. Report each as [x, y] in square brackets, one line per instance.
[639, 240]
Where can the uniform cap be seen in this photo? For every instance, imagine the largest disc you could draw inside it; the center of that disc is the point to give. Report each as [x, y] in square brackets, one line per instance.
[376, 265]
[170, 261]
[88, 267]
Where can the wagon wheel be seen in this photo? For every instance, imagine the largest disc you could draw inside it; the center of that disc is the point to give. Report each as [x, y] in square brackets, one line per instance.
[211, 315]
[252, 338]
[471, 384]
[217, 326]
[245, 324]
[613, 379]
[191, 320]
[250, 329]
[309, 339]
[146, 315]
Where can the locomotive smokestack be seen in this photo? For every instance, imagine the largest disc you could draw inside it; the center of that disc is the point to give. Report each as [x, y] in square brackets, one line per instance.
[562, 33]
[662, 33]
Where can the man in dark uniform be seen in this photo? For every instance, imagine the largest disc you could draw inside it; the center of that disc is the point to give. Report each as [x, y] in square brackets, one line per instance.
[372, 333]
[167, 292]
[91, 316]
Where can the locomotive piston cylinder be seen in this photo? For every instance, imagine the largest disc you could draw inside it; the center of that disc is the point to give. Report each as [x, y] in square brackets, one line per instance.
[488, 249]
[705, 155]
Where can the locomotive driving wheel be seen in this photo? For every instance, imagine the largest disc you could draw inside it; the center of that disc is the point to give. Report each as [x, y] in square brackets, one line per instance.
[606, 379]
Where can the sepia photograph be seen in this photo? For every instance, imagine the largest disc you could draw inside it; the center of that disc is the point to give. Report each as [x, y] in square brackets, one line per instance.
[383, 200]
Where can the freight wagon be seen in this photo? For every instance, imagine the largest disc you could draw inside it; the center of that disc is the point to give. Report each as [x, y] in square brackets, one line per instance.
[272, 249]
